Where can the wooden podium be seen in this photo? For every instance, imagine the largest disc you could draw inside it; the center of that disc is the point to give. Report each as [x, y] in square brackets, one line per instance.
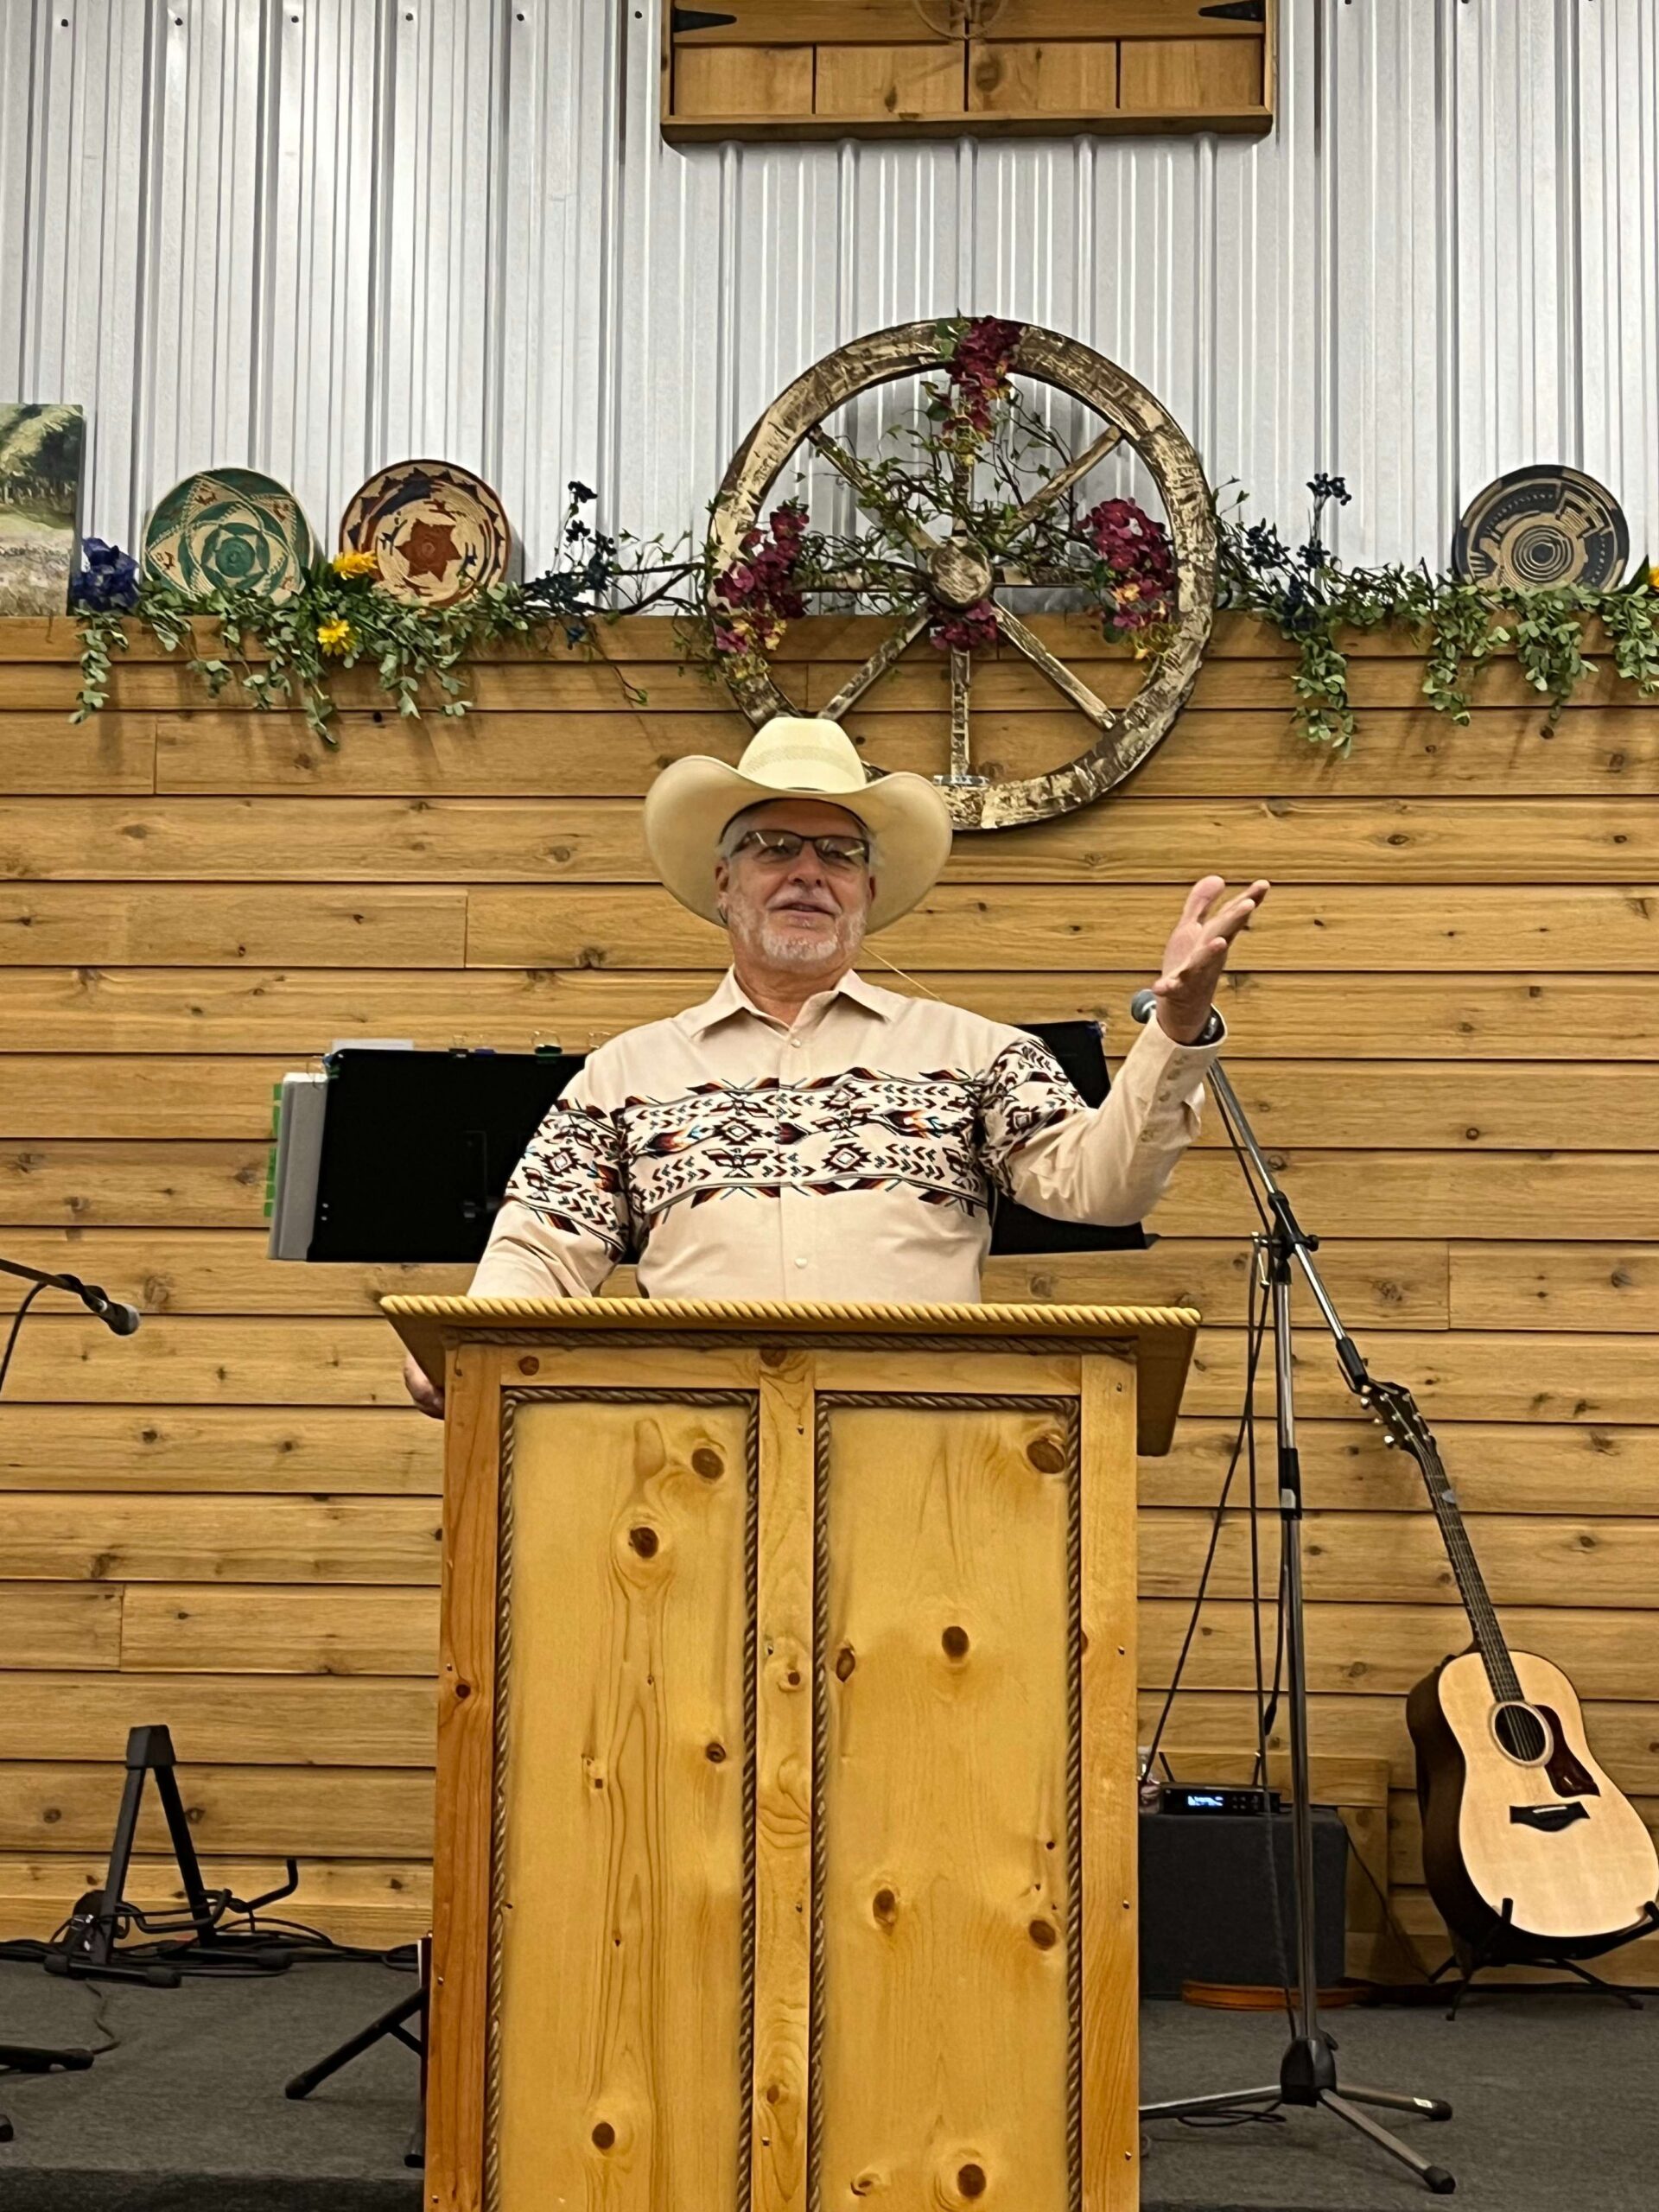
[786, 1805]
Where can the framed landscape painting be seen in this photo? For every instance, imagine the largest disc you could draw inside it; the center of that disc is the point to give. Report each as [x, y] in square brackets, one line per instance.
[39, 505]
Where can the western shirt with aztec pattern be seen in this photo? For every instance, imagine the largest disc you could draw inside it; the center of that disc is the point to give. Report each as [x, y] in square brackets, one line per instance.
[855, 1154]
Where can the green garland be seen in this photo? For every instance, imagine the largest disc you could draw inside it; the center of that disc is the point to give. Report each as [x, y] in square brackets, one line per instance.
[341, 619]
[409, 647]
[1311, 598]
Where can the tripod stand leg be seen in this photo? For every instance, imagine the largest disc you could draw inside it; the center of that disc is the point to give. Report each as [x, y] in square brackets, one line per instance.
[1599, 1983]
[389, 2023]
[33, 2058]
[1391, 2100]
[1434, 2179]
[1220, 2100]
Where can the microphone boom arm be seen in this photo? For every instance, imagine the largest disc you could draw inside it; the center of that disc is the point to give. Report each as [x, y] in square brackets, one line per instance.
[120, 1319]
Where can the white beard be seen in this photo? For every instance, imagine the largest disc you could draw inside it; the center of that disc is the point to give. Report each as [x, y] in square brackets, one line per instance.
[791, 948]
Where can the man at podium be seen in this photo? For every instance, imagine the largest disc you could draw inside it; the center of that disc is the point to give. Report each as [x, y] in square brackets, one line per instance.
[804, 1133]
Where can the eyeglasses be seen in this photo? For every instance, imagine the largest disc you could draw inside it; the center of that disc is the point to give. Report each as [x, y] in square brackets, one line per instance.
[840, 854]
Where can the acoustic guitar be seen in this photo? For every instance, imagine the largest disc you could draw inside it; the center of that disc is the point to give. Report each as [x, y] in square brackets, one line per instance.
[1529, 1850]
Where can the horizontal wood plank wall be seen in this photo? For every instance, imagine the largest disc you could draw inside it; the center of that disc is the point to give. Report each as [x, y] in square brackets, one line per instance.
[1446, 1023]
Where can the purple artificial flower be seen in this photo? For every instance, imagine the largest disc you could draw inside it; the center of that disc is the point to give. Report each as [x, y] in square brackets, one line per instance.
[109, 579]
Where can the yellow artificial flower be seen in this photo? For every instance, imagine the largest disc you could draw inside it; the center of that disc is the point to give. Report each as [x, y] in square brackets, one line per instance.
[352, 565]
[336, 637]
[1653, 577]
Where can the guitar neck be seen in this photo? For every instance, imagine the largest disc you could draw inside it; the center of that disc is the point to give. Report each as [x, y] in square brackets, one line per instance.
[1472, 1584]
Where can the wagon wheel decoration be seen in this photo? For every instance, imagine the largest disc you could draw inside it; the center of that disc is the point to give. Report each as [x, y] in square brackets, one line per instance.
[943, 561]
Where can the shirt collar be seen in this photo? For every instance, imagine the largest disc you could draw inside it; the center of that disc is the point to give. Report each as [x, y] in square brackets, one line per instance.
[731, 998]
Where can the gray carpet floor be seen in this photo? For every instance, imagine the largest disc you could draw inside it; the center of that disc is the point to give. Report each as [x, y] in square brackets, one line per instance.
[1557, 2103]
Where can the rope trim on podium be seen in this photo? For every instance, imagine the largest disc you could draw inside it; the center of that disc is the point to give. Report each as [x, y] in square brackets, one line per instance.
[655, 1314]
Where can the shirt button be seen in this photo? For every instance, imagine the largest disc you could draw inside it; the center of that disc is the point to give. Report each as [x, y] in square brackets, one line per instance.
[800, 1263]
[796, 1042]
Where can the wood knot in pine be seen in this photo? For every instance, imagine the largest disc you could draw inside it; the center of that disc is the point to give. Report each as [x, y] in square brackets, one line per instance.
[970, 2180]
[604, 2135]
[644, 1540]
[715, 1753]
[885, 1906]
[845, 1661]
[1046, 1454]
[1044, 1934]
[954, 1641]
[708, 1463]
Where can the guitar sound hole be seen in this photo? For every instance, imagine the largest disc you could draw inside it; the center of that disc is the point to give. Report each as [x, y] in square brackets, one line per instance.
[1521, 1733]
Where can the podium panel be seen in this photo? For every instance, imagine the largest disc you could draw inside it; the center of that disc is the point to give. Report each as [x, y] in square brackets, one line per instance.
[948, 1803]
[786, 1806]
[616, 2044]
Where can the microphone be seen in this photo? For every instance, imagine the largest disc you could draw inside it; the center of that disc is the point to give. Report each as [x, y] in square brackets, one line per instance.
[1143, 1004]
[120, 1320]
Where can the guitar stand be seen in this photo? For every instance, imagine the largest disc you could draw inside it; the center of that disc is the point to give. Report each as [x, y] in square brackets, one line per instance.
[1307, 2073]
[1492, 1946]
[89, 1950]
[388, 2022]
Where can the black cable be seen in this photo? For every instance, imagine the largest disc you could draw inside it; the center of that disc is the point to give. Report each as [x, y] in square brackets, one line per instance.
[1236, 2116]
[1391, 1919]
[102, 2000]
[1270, 1819]
[28, 1298]
[1254, 1331]
[293, 1936]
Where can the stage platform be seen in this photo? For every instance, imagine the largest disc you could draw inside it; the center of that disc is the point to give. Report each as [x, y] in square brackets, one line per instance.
[1555, 2101]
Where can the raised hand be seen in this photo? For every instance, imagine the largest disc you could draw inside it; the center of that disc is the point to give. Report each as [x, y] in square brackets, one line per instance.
[1197, 953]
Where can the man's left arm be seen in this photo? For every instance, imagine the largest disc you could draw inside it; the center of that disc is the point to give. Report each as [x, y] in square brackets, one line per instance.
[1110, 1164]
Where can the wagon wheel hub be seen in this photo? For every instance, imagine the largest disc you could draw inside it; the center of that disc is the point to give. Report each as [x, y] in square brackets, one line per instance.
[960, 574]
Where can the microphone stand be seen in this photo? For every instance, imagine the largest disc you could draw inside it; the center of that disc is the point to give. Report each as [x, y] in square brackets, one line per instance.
[38, 2058]
[1307, 2073]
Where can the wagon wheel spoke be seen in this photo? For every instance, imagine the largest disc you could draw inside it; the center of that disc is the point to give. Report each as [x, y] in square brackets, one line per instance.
[962, 488]
[1075, 470]
[866, 489]
[1031, 575]
[1027, 642]
[877, 666]
[962, 764]
[882, 578]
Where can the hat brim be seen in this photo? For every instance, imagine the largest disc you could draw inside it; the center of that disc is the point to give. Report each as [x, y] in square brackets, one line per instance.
[689, 805]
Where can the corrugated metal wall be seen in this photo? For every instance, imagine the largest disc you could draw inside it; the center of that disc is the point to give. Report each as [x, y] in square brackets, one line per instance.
[313, 235]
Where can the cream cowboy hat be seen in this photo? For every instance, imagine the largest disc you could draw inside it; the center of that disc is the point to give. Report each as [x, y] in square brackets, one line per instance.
[795, 756]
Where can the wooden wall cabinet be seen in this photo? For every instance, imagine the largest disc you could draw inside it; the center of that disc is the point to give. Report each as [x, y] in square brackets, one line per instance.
[938, 68]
